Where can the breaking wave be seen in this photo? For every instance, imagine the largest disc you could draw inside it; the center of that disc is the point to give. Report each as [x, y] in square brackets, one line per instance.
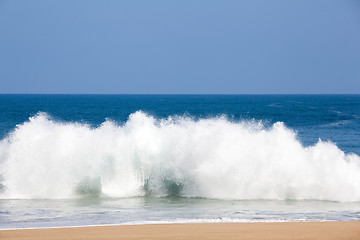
[207, 158]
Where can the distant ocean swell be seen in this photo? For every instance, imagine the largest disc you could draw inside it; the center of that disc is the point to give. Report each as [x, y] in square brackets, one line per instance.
[207, 158]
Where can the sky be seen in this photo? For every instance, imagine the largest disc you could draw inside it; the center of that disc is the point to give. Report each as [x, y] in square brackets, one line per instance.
[180, 47]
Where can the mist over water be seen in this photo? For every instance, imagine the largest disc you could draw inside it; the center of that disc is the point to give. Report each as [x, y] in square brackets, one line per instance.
[180, 156]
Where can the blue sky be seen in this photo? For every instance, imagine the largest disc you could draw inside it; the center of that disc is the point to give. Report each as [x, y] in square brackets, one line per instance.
[185, 47]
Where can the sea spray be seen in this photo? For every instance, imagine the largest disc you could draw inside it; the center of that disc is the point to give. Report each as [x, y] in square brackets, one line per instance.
[207, 158]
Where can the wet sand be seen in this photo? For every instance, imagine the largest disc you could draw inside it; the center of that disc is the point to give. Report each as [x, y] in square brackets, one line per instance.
[199, 231]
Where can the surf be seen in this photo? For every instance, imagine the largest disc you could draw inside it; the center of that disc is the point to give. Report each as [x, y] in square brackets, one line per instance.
[215, 158]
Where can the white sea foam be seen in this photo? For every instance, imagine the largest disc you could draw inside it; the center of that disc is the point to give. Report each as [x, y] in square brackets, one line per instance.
[209, 158]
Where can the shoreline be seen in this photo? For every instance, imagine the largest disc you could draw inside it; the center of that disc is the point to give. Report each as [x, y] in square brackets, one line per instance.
[261, 230]
[167, 223]
[161, 223]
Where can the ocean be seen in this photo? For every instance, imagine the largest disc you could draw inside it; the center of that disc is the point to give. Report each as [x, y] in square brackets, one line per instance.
[84, 160]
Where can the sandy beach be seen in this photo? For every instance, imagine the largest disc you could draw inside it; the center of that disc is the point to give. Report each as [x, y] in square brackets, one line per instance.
[288, 230]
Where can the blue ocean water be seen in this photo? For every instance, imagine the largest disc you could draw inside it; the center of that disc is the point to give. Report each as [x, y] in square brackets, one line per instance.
[70, 160]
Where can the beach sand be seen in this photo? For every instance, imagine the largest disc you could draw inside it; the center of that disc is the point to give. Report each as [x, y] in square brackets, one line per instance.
[199, 231]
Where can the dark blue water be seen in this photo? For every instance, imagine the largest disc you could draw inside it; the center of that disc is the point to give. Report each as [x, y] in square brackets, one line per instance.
[329, 117]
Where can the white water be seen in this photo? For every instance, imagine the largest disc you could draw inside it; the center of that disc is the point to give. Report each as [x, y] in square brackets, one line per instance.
[208, 158]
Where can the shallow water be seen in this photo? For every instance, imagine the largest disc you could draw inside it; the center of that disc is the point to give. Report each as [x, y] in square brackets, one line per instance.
[145, 210]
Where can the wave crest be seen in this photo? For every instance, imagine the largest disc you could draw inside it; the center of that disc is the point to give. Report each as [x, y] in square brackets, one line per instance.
[208, 158]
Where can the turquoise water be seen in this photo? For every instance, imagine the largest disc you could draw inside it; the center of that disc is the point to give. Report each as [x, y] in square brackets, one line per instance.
[70, 160]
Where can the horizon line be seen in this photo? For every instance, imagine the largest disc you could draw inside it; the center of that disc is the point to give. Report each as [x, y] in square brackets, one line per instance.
[179, 93]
